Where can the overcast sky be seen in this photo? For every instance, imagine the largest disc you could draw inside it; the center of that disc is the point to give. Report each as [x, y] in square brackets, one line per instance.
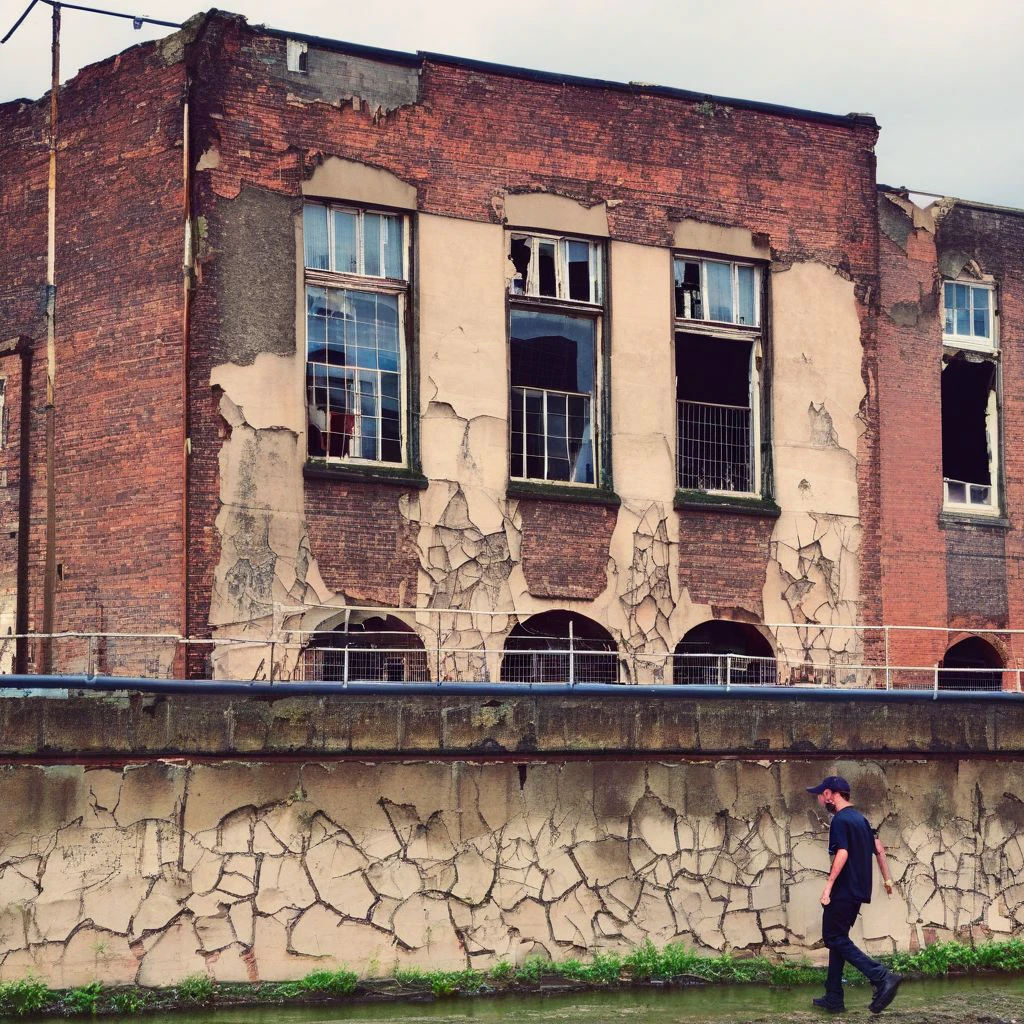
[945, 82]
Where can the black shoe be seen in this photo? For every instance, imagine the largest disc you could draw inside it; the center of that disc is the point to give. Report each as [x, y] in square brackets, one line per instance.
[886, 992]
[823, 1004]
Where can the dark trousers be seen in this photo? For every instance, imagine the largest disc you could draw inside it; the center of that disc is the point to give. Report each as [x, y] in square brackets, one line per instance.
[836, 921]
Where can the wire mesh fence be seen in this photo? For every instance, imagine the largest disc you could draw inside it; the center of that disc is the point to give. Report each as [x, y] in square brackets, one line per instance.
[403, 658]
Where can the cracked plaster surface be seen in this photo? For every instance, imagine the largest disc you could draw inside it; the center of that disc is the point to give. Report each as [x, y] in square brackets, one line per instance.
[259, 872]
[471, 585]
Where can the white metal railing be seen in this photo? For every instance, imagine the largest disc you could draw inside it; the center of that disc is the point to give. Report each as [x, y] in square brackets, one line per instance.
[715, 449]
[305, 656]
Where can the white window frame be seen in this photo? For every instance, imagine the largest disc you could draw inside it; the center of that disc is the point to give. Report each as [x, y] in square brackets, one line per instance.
[530, 288]
[525, 296]
[727, 332]
[974, 342]
[360, 281]
[734, 268]
[297, 53]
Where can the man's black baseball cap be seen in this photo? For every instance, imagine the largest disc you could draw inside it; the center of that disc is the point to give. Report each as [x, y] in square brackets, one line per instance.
[834, 782]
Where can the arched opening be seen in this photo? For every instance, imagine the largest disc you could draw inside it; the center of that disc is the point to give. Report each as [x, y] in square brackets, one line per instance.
[720, 651]
[971, 664]
[559, 647]
[378, 649]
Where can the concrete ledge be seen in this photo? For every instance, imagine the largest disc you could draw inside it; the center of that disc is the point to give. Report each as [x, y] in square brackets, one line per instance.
[119, 726]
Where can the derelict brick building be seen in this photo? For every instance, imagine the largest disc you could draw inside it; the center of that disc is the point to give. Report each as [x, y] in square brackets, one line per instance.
[467, 357]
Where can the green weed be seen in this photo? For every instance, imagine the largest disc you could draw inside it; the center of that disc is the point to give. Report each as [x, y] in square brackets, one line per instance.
[29, 995]
[196, 989]
[337, 983]
[127, 1003]
[84, 999]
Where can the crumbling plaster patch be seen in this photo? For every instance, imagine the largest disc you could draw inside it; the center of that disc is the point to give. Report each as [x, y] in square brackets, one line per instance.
[818, 391]
[266, 870]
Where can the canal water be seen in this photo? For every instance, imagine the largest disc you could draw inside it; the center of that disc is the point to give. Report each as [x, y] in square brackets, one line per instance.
[989, 1000]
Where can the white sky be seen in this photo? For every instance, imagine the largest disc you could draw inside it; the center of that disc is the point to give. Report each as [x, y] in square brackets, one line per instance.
[945, 83]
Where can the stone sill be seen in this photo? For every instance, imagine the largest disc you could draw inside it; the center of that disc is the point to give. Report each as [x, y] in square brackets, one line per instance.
[375, 474]
[702, 501]
[958, 519]
[581, 495]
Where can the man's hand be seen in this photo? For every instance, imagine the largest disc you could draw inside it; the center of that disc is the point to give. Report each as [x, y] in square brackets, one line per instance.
[826, 896]
[888, 887]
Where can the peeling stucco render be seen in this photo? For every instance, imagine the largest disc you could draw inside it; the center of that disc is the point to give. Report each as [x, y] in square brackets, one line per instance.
[254, 872]
[470, 531]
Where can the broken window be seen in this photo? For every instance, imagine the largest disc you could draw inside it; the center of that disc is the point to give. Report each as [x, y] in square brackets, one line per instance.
[555, 321]
[356, 291]
[970, 403]
[717, 348]
[297, 55]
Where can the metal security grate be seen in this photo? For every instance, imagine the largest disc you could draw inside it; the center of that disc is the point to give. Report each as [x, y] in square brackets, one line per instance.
[715, 451]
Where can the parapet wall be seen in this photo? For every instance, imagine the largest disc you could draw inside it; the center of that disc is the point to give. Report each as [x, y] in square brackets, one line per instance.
[266, 866]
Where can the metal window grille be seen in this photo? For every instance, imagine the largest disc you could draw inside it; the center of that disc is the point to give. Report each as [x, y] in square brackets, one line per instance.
[714, 450]
[551, 435]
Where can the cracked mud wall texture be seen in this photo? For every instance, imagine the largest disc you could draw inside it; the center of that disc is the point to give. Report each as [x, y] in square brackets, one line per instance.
[255, 872]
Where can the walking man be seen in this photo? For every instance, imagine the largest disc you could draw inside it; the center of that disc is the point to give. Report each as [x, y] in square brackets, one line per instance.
[851, 842]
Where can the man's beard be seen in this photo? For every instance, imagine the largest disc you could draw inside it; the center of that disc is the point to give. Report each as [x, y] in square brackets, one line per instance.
[831, 808]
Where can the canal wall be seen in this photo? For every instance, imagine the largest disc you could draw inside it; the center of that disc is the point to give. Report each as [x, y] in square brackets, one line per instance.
[148, 838]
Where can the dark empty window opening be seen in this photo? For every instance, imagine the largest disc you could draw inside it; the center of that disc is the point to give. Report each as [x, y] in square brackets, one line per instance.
[968, 431]
[971, 664]
[379, 649]
[559, 647]
[721, 651]
[715, 417]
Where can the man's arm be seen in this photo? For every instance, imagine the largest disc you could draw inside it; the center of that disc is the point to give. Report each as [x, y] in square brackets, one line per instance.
[838, 863]
[883, 866]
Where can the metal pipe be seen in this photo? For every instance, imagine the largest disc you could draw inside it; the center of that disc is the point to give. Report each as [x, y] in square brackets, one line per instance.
[210, 687]
[50, 556]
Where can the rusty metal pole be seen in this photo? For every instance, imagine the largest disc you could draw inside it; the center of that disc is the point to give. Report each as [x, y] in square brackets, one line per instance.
[50, 568]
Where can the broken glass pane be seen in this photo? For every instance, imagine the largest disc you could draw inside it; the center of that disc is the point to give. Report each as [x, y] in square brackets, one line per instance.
[547, 283]
[519, 254]
[687, 288]
[578, 258]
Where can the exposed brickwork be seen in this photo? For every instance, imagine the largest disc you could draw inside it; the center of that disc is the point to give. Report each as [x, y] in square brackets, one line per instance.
[943, 573]
[364, 547]
[119, 380]
[722, 558]
[565, 548]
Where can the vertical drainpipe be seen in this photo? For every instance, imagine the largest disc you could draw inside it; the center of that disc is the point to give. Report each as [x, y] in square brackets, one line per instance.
[187, 284]
[50, 562]
[24, 509]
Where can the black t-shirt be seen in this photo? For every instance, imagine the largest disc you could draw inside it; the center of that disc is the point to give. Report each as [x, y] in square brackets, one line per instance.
[850, 831]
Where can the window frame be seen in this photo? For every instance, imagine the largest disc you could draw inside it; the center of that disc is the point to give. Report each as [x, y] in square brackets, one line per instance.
[972, 342]
[332, 279]
[727, 332]
[953, 343]
[528, 301]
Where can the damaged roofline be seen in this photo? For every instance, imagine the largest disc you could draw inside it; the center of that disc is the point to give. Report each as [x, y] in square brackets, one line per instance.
[970, 204]
[553, 78]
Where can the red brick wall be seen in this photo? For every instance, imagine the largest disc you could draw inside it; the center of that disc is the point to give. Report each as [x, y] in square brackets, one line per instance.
[939, 572]
[565, 548]
[119, 438]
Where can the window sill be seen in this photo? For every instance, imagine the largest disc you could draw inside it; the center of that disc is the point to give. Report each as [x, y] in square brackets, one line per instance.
[316, 469]
[949, 517]
[729, 504]
[556, 492]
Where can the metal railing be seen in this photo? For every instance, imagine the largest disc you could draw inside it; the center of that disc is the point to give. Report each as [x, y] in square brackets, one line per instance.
[715, 452]
[319, 657]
